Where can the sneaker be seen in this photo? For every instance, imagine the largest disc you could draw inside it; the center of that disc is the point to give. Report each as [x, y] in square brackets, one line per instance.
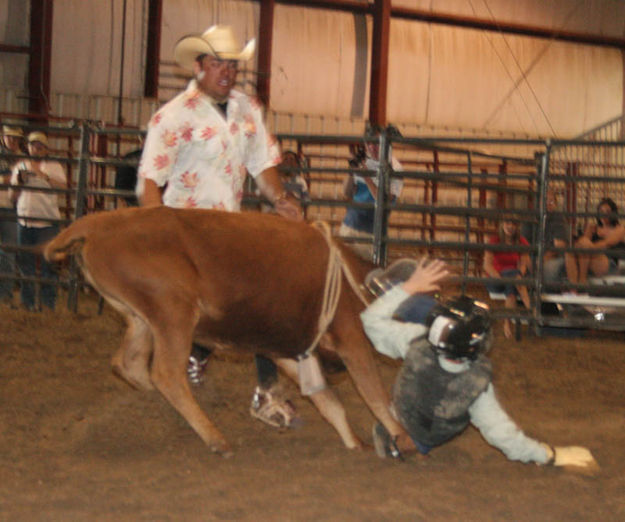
[271, 408]
[384, 445]
[195, 370]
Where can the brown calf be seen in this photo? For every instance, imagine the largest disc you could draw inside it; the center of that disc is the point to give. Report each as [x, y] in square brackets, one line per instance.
[247, 281]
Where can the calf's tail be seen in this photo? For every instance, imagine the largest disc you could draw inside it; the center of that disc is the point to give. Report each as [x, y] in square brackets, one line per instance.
[67, 243]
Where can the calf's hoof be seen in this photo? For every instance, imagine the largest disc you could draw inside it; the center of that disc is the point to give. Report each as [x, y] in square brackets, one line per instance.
[222, 448]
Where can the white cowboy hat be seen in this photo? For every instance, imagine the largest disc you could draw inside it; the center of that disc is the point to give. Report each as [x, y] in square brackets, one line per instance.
[217, 40]
[8, 130]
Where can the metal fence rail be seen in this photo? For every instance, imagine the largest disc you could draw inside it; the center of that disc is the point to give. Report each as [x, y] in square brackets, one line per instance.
[455, 191]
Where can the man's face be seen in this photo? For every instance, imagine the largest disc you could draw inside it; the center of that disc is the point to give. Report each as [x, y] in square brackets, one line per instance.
[552, 201]
[373, 149]
[216, 77]
[37, 149]
[12, 143]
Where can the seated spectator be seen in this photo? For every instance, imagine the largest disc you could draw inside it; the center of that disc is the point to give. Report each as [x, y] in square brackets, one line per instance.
[293, 181]
[510, 264]
[358, 222]
[557, 266]
[606, 234]
[35, 209]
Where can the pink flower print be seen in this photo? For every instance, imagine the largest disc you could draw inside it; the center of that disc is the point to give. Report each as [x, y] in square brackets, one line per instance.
[249, 126]
[208, 133]
[219, 206]
[157, 118]
[271, 140]
[161, 161]
[189, 179]
[186, 132]
[228, 169]
[169, 138]
[234, 128]
[255, 102]
[192, 101]
[190, 202]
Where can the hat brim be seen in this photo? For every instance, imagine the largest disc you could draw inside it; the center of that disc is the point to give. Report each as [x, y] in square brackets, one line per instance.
[16, 133]
[190, 47]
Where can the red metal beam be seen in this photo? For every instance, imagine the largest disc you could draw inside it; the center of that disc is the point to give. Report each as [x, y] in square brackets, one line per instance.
[40, 57]
[8, 48]
[379, 61]
[506, 27]
[265, 39]
[464, 21]
[153, 51]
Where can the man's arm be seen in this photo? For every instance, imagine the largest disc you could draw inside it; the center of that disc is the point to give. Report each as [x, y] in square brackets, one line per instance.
[270, 186]
[151, 195]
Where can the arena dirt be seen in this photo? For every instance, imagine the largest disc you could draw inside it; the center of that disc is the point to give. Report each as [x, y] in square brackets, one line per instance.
[76, 443]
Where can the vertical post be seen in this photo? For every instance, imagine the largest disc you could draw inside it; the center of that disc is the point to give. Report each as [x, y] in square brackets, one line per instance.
[380, 217]
[467, 223]
[122, 59]
[153, 49]
[379, 61]
[265, 39]
[40, 57]
[543, 180]
[81, 194]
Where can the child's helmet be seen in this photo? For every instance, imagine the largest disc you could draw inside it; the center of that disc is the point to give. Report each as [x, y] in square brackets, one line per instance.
[460, 328]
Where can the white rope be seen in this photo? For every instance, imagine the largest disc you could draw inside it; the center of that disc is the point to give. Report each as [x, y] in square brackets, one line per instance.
[332, 287]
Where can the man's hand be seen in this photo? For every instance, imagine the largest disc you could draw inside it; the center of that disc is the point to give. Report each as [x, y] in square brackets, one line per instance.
[426, 277]
[289, 208]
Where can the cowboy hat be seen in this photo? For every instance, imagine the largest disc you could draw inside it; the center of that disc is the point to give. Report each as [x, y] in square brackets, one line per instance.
[38, 137]
[217, 40]
[7, 130]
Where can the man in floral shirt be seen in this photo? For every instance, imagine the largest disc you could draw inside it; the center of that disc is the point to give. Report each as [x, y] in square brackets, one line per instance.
[198, 150]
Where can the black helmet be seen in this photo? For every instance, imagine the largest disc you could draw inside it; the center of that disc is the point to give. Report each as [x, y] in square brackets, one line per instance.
[381, 280]
[414, 309]
[460, 328]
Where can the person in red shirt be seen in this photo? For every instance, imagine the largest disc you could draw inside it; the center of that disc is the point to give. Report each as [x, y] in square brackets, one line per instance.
[499, 264]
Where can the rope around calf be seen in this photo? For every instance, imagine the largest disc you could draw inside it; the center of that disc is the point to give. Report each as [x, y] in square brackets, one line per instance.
[332, 286]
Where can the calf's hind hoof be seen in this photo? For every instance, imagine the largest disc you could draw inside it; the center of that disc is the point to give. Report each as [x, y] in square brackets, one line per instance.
[221, 448]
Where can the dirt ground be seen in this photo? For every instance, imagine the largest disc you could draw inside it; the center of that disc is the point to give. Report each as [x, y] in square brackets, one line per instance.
[76, 443]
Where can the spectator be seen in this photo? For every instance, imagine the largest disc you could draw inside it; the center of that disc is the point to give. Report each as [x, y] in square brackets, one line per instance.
[35, 209]
[606, 234]
[12, 143]
[445, 383]
[293, 181]
[126, 179]
[358, 222]
[557, 266]
[198, 150]
[510, 264]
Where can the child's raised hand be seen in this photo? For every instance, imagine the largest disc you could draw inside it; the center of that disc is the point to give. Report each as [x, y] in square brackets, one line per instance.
[426, 277]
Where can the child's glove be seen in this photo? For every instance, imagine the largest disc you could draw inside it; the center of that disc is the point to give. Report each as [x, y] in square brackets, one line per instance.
[573, 458]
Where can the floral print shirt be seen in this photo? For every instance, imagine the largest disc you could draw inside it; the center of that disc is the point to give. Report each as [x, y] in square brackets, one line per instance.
[203, 156]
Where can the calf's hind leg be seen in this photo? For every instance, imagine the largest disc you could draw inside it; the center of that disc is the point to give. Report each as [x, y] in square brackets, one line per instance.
[355, 349]
[132, 360]
[328, 405]
[172, 342]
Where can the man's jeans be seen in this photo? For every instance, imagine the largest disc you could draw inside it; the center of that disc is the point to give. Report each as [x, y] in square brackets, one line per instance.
[27, 236]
